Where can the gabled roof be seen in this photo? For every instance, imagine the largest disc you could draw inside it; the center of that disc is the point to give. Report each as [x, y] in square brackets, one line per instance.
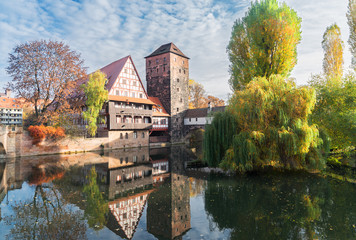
[202, 112]
[113, 70]
[169, 47]
[158, 106]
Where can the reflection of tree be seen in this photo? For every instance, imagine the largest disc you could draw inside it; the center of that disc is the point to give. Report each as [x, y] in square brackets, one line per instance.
[281, 207]
[46, 216]
[196, 186]
[96, 208]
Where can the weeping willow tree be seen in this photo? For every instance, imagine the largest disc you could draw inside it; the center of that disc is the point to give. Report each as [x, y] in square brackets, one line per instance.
[218, 137]
[270, 128]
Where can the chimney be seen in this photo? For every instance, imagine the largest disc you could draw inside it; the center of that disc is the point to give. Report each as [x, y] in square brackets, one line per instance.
[8, 93]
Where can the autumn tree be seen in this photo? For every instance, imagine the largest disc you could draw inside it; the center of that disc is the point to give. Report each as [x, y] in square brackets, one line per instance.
[351, 20]
[196, 94]
[96, 95]
[333, 53]
[264, 42]
[44, 73]
[198, 98]
[214, 101]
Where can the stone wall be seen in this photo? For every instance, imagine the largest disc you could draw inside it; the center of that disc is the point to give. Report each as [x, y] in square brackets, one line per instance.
[19, 143]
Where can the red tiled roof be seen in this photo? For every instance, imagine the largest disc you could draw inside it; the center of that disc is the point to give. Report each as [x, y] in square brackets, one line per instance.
[130, 99]
[6, 102]
[113, 70]
[158, 105]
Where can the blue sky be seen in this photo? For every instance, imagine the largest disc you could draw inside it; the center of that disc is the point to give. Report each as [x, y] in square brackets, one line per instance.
[104, 31]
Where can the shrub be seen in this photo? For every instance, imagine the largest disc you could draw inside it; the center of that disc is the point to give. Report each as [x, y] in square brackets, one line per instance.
[39, 133]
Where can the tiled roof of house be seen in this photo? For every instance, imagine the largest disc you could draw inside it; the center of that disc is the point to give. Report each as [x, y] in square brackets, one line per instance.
[202, 112]
[113, 70]
[158, 106]
[130, 99]
[6, 102]
[169, 47]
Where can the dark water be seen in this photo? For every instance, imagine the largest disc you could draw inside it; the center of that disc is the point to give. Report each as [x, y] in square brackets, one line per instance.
[151, 194]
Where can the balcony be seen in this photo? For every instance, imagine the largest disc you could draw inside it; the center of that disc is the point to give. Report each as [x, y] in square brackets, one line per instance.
[160, 127]
[130, 126]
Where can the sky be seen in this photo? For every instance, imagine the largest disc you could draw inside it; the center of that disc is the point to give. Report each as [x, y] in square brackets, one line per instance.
[103, 31]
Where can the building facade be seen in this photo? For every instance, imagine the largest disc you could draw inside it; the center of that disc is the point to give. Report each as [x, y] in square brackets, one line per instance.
[11, 112]
[167, 77]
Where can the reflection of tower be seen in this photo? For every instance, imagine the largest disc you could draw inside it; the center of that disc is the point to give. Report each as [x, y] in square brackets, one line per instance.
[168, 212]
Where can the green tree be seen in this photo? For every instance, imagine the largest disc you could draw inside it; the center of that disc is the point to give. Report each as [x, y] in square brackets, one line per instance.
[96, 95]
[351, 20]
[272, 127]
[333, 53]
[264, 42]
[335, 110]
[96, 207]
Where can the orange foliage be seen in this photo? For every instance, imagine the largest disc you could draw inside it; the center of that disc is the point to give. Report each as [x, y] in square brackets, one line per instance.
[39, 133]
[39, 176]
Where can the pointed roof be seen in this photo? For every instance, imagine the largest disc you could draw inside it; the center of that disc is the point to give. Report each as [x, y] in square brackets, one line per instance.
[169, 47]
[113, 70]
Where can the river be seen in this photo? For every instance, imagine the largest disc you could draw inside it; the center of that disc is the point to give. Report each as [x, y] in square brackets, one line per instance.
[152, 194]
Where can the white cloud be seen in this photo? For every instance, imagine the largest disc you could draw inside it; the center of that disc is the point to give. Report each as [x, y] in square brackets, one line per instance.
[104, 31]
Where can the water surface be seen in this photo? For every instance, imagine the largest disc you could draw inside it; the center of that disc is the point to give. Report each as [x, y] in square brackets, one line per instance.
[151, 194]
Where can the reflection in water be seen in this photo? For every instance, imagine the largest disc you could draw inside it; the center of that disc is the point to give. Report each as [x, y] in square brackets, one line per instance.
[168, 211]
[150, 194]
[45, 216]
[293, 206]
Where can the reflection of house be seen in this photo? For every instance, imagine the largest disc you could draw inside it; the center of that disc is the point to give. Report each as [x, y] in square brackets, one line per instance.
[159, 131]
[125, 214]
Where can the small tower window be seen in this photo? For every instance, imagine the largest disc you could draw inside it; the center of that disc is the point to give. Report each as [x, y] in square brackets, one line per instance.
[180, 70]
[157, 69]
[164, 68]
[164, 59]
[177, 109]
[157, 61]
[149, 62]
[126, 135]
[177, 89]
[181, 100]
[175, 59]
[183, 62]
[177, 79]
[184, 71]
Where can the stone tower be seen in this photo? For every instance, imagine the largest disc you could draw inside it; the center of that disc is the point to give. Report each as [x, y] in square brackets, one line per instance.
[167, 76]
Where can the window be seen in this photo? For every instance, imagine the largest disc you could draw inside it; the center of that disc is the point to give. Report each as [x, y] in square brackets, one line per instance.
[126, 135]
[141, 96]
[121, 136]
[125, 70]
[143, 157]
[133, 72]
[134, 159]
[118, 92]
[164, 68]
[181, 100]
[118, 119]
[123, 81]
[157, 69]
[177, 109]
[149, 62]
[183, 62]
[133, 95]
[135, 135]
[126, 94]
[196, 119]
[164, 59]
[180, 70]
[157, 61]
[175, 59]
[177, 79]
[190, 119]
[184, 71]
[143, 135]
[177, 89]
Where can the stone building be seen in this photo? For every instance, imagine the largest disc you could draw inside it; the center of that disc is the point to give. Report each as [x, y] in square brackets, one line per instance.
[167, 76]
